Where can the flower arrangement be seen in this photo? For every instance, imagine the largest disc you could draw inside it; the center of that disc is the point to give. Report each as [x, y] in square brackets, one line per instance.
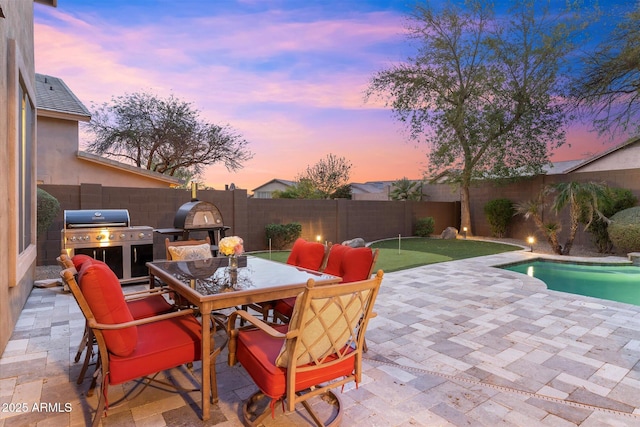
[232, 245]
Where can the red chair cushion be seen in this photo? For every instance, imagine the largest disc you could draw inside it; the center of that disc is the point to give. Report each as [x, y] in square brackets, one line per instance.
[161, 345]
[80, 259]
[352, 264]
[257, 352]
[307, 255]
[101, 288]
[285, 306]
[334, 262]
[356, 264]
[149, 306]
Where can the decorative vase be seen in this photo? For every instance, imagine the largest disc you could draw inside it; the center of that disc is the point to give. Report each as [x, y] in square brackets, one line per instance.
[233, 263]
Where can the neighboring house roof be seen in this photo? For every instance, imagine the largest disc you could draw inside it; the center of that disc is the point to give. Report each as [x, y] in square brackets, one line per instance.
[559, 168]
[284, 182]
[369, 187]
[629, 142]
[55, 99]
[83, 155]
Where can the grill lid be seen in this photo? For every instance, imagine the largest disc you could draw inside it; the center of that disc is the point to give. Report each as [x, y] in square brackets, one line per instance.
[94, 218]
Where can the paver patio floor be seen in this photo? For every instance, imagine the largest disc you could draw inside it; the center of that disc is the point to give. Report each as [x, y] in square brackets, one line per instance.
[453, 344]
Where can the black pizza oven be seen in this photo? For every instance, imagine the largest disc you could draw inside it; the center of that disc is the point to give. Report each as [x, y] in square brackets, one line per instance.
[107, 235]
[198, 215]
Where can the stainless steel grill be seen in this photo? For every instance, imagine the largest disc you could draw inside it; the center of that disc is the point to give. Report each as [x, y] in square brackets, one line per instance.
[106, 235]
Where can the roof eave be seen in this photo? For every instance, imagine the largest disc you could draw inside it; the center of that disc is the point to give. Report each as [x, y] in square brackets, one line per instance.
[63, 115]
[83, 155]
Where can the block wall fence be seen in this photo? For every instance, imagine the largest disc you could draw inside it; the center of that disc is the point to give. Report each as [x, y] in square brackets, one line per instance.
[333, 220]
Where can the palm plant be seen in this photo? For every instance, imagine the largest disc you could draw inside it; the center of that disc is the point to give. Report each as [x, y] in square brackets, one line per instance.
[582, 199]
[533, 209]
[405, 189]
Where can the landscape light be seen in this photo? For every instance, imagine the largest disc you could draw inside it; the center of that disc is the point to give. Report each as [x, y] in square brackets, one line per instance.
[531, 240]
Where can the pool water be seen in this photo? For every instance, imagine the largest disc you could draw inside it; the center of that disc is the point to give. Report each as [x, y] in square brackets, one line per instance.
[611, 282]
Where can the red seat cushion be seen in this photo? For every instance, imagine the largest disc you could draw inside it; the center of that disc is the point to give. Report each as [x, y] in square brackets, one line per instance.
[101, 288]
[161, 345]
[307, 255]
[257, 352]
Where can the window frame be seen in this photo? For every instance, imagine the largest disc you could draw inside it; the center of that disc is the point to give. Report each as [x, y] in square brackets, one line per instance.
[20, 80]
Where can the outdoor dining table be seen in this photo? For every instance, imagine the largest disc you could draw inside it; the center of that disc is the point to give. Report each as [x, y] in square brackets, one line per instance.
[210, 285]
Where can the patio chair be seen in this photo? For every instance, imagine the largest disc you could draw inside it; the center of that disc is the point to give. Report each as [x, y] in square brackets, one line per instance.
[141, 304]
[305, 254]
[320, 349]
[351, 264]
[133, 349]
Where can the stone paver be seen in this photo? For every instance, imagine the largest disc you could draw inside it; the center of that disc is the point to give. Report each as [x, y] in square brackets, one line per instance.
[457, 343]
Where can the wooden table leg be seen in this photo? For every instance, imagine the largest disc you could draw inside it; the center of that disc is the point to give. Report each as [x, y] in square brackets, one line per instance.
[206, 368]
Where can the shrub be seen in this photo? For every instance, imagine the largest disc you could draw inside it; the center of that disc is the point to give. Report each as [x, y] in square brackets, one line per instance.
[617, 199]
[282, 235]
[48, 209]
[425, 226]
[499, 213]
[624, 230]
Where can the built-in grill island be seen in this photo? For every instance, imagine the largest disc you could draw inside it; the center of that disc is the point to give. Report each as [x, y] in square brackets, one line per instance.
[107, 235]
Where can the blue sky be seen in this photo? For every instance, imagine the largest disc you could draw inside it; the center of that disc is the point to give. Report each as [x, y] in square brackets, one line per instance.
[287, 75]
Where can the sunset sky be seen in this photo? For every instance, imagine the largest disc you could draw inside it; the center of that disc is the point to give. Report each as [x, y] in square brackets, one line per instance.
[287, 75]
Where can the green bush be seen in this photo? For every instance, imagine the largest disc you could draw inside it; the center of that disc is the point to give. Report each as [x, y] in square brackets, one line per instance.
[282, 235]
[499, 213]
[48, 209]
[425, 226]
[624, 230]
[616, 199]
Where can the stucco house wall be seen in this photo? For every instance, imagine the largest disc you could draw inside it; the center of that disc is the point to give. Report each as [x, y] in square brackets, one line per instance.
[60, 161]
[16, 70]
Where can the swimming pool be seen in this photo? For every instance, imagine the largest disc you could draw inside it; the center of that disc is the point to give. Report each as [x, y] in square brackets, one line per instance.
[614, 282]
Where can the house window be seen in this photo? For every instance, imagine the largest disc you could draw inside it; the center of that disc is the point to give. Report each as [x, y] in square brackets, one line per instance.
[20, 168]
[26, 116]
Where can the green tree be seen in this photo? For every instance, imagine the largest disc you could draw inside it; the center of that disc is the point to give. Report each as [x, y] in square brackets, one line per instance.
[482, 91]
[608, 89]
[302, 189]
[405, 189]
[328, 175]
[163, 135]
[342, 192]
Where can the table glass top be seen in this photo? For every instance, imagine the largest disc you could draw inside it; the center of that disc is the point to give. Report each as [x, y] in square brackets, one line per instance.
[213, 276]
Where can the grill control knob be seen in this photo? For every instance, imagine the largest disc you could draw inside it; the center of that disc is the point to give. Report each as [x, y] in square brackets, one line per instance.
[72, 238]
[86, 237]
[99, 237]
[122, 236]
[141, 235]
[111, 236]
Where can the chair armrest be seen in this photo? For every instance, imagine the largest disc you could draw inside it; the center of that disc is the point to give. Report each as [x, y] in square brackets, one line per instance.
[263, 326]
[104, 326]
[145, 293]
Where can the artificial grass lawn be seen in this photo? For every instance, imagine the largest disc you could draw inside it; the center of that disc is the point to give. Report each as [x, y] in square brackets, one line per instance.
[415, 252]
